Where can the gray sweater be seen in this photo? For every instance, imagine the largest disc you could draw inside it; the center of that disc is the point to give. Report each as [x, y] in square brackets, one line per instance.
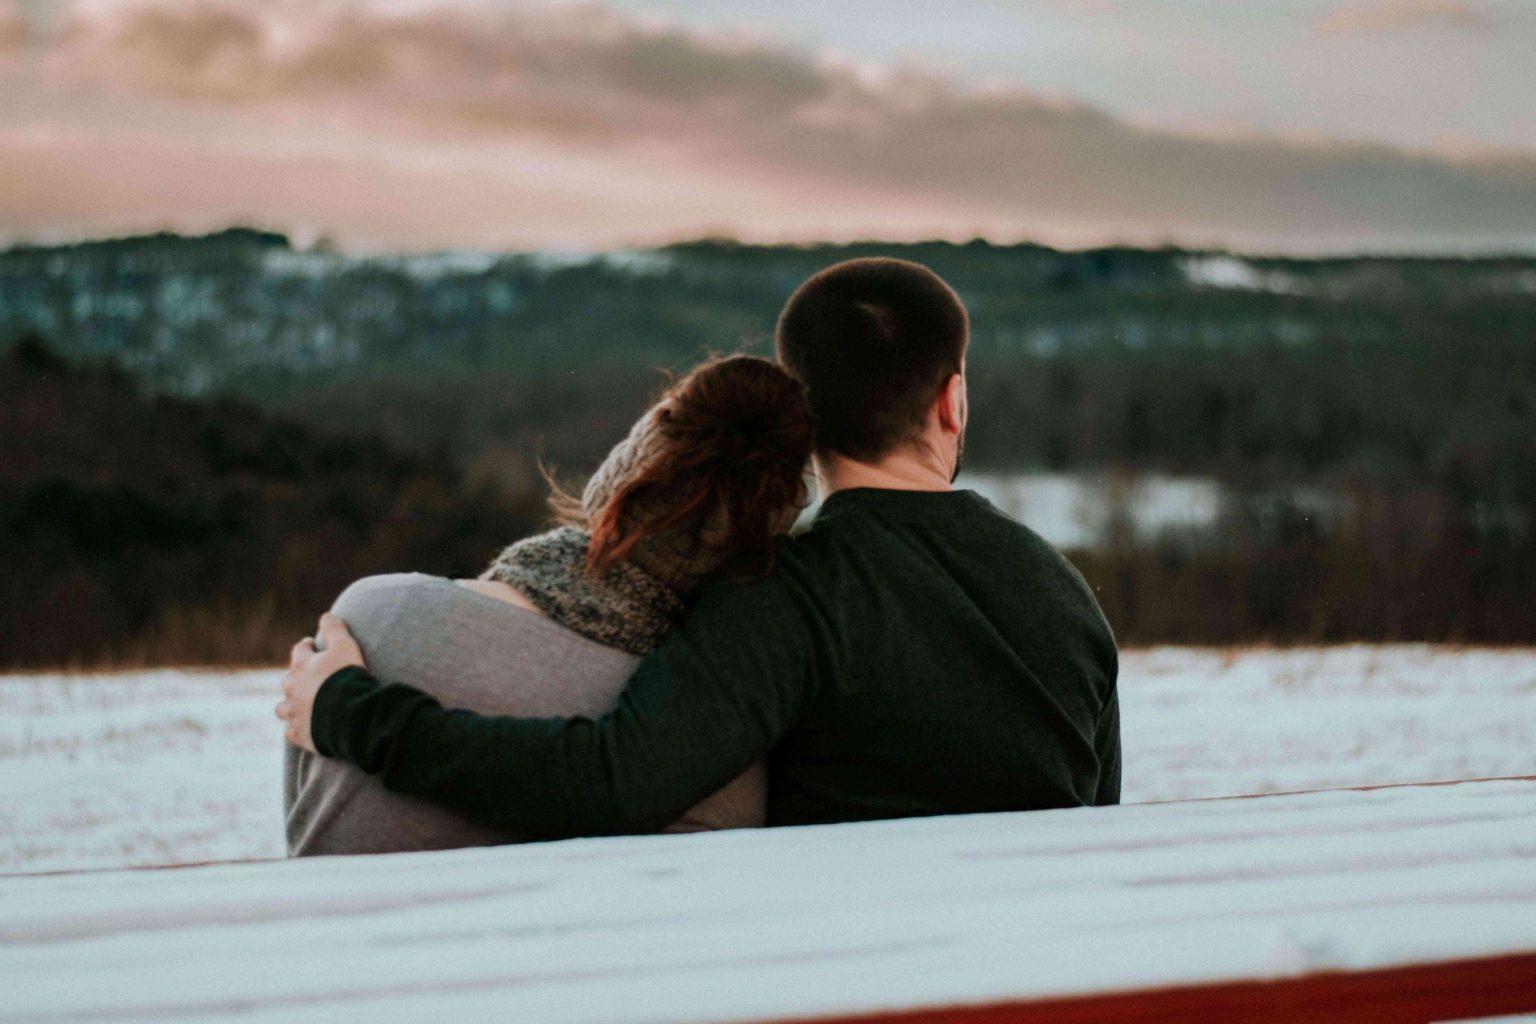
[469, 651]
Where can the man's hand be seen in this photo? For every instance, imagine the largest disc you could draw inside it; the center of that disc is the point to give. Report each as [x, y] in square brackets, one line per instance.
[309, 665]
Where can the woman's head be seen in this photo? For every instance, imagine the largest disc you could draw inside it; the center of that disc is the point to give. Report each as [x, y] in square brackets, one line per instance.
[708, 477]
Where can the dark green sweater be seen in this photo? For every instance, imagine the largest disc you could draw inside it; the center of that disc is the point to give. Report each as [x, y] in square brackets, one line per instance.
[915, 653]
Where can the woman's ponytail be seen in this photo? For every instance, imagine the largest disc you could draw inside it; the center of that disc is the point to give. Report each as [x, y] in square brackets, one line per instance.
[725, 468]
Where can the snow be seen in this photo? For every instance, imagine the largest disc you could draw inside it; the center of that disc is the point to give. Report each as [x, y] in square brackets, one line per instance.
[1075, 511]
[1201, 722]
[635, 262]
[1233, 272]
[139, 768]
[780, 923]
[182, 767]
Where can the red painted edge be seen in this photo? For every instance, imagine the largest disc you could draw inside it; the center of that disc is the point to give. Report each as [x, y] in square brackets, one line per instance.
[1418, 994]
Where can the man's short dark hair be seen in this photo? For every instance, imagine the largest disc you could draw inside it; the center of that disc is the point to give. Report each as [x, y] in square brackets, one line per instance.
[873, 340]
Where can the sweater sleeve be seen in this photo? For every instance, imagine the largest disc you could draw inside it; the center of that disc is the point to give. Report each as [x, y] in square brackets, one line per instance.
[728, 681]
[1107, 744]
[1106, 741]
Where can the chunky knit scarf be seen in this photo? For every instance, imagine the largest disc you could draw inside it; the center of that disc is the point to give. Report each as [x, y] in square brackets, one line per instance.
[626, 607]
[631, 605]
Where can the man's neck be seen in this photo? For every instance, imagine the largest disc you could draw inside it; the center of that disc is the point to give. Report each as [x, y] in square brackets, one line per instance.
[898, 472]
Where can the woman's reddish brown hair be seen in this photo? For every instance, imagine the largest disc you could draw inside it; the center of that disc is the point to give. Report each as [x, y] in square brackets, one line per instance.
[733, 439]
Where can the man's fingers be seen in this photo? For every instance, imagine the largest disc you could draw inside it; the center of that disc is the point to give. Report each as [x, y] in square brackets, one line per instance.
[303, 649]
[336, 636]
[333, 628]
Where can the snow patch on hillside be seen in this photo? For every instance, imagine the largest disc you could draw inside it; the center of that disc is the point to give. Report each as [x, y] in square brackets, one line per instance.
[1236, 273]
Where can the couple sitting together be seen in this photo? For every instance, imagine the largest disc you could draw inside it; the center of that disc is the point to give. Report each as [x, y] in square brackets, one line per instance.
[669, 659]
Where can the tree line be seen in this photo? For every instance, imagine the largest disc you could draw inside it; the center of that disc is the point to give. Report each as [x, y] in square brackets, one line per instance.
[217, 434]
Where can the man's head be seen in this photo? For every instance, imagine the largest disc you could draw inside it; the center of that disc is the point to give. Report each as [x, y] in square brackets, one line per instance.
[880, 345]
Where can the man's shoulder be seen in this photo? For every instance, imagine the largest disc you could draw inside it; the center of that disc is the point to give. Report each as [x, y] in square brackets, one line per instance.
[755, 621]
[1002, 527]
[1014, 540]
[790, 600]
[779, 589]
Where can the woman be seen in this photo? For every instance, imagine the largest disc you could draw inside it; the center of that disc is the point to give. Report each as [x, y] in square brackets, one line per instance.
[702, 485]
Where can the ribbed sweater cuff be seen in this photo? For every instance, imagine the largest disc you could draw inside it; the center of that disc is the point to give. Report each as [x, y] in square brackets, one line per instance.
[327, 721]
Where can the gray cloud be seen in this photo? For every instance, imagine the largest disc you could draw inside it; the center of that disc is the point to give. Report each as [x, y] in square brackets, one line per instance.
[659, 116]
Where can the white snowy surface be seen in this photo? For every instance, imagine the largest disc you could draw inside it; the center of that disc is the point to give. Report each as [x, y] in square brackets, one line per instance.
[162, 767]
[178, 767]
[791, 923]
[1200, 722]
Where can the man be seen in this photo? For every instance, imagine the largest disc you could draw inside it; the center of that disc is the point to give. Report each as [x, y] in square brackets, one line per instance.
[916, 652]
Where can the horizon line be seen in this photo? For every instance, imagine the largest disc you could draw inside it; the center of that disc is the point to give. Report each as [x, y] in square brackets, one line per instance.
[306, 241]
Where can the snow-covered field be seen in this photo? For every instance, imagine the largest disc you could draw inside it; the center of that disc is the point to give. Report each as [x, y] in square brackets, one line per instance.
[140, 768]
[177, 767]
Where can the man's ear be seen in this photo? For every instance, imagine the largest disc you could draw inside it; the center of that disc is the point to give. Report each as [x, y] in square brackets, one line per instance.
[951, 405]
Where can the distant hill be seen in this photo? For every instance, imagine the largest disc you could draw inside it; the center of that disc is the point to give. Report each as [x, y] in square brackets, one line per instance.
[162, 243]
[168, 530]
[1173, 359]
[1393, 400]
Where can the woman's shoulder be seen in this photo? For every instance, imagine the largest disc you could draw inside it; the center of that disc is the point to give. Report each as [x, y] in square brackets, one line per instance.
[392, 584]
[458, 644]
[500, 591]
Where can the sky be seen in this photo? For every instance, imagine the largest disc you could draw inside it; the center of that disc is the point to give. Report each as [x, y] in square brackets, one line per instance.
[1297, 126]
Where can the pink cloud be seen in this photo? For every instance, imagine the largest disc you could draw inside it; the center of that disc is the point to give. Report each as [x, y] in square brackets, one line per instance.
[1371, 16]
[14, 29]
[480, 125]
